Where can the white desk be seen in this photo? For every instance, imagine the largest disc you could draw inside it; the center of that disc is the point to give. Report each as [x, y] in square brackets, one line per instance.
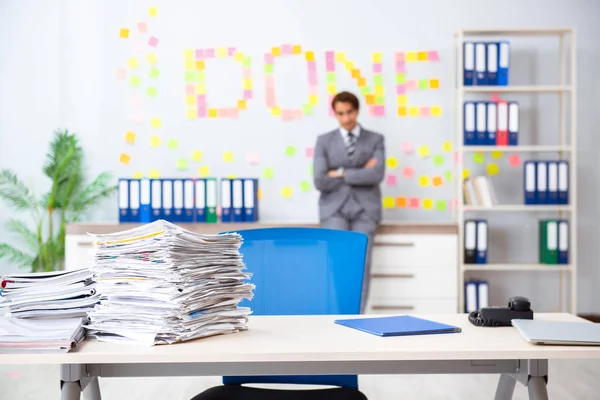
[310, 345]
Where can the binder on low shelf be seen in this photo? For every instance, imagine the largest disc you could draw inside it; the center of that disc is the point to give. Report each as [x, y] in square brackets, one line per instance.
[513, 123]
[469, 123]
[123, 195]
[541, 182]
[548, 241]
[188, 201]
[563, 241]
[481, 137]
[212, 200]
[470, 296]
[237, 200]
[502, 124]
[563, 182]
[483, 294]
[492, 123]
[134, 200]
[470, 240]
[226, 200]
[552, 182]
[200, 200]
[482, 242]
[468, 63]
[156, 199]
[529, 182]
[145, 198]
[250, 200]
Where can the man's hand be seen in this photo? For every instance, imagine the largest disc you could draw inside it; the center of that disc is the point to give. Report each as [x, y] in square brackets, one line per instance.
[333, 173]
[371, 163]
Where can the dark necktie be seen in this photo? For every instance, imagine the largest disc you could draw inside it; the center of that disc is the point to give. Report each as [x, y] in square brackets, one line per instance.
[351, 144]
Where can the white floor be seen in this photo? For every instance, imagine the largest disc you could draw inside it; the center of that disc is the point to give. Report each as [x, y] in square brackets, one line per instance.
[576, 380]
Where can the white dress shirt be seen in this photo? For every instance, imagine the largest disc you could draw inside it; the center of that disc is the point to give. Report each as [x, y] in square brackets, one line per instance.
[344, 133]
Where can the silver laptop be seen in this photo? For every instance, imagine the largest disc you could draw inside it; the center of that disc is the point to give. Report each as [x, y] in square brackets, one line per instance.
[559, 332]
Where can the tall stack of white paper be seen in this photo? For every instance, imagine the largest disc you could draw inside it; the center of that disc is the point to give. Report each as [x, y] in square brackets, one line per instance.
[162, 284]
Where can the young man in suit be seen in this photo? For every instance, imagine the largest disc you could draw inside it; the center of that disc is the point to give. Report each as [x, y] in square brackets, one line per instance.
[349, 166]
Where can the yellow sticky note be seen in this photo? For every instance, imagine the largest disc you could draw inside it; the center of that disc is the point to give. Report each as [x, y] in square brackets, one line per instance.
[496, 154]
[189, 54]
[190, 100]
[313, 99]
[151, 58]
[199, 65]
[182, 164]
[310, 56]
[124, 33]
[125, 158]
[241, 105]
[287, 192]
[428, 204]
[296, 49]
[231, 176]
[436, 111]
[411, 56]
[276, 51]
[340, 56]
[447, 146]
[191, 113]
[238, 56]
[203, 171]
[402, 100]
[377, 58]
[413, 111]
[228, 156]
[392, 162]
[402, 112]
[221, 52]
[190, 65]
[138, 175]
[156, 123]
[275, 111]
[213, 113]
[422, 56]
[200, 88]
[152, 12]
[493, 169]
[424, 180]
[154, 174]
[247, 83]
[331, 88]
[197, 155]
[259, 193]
[350, 66]
[466, 173]
[173, 144]
[388, 202]
[423, 151]
[155, 141]
[133, 63]
[434, 84]
[151, 91]
[379, 90]
[130, 137]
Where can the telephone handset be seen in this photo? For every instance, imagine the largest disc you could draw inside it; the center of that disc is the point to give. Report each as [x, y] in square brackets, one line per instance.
[518, 308]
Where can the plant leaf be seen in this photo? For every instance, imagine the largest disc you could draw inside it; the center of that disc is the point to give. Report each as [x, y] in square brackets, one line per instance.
[93, 192]
[15, 192]
[29, 237]
[15, 255]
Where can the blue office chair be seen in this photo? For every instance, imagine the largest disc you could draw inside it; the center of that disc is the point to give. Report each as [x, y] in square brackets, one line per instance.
[300, 271]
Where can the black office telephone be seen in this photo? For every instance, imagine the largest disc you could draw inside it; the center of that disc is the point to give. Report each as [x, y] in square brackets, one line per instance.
[518, 308]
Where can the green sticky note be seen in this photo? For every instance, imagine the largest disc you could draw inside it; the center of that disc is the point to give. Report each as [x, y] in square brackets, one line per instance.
[310, 169]
[380, 100]
[268, 173]
[365, 90]
[182, 164]
[331, 77]
[135, 81]
[268, 68]
[378, 80]
[154, 73]
[290, 151]
[305, 186]
[151, 91]
[307, 109]
[478, 158]
[438, 160]
[441, 205]
[200, 76]
[400, 79]
[190, 76]
[172, 144]
[423, 84]
[247, 62]
[448, 175]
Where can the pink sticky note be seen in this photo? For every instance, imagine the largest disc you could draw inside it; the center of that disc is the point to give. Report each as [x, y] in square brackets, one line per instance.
[413, 202]
[390, 180]
[233, 112]
[312, 80]
[377, 68]
[286, 49]
[121, 72]
[231, 51]
[312, 67]
[247, 73]
[199, 54]
[401, 89]
[425, 112]
[269, 81]
[247, 94]
[400, 67]
[297, 114]
[152, 41]
[330, 66]
[252, 158]
[201, 100]
[379, 110]
[201, 111]
[514, 160]
[411, 85]
[209, 53]
[268, 58]
[310, 152]
[433, 56]
[330, 56]
[189, 89]
[223, 112]
[287, 115]
[400, 56]
[457, 157]
[142, 27]
[219, 211]
[407, 147]
[313, 90]
[408, 172]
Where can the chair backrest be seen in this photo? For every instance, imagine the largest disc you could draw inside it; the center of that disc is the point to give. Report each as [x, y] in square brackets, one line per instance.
[303, 271]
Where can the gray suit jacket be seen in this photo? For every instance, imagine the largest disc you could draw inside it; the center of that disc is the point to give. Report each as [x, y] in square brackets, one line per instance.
[330, 153]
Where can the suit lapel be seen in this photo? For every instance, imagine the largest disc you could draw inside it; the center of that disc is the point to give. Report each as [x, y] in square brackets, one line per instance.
[339, 147]
[360, 148]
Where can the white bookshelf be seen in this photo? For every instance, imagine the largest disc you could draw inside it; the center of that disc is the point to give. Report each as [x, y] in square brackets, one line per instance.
[565, 88]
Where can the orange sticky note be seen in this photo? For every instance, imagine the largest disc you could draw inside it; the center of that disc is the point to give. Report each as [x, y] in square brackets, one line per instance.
[200, 65]
[388, 202]
[438, 181]
[371, 99]
[259, 193]
[401, 202]
[130, 137]
[125, 158]
[356, 73]
[362, 82]
[213, 112]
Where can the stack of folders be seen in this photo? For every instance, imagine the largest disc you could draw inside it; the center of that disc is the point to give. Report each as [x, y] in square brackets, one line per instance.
[554, 241]
[162, 284]
[188, 200]
[477, 295]
[45, 311]
[486, 63]
[476, 241]
[479, 191]
[491, 123]
[546, 182]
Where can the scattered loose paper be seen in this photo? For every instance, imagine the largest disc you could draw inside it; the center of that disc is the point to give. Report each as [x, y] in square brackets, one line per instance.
[228, 157]
[392, 162]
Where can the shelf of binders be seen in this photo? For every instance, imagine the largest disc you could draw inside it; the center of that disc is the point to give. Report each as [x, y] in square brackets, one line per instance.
[517, 89]
[523, 149]
[516, 267]
[518, 207]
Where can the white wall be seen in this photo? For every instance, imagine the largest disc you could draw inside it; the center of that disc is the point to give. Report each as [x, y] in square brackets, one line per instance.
[57, 63]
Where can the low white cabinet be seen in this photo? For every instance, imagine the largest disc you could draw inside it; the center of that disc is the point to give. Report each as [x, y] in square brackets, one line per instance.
[414, 273]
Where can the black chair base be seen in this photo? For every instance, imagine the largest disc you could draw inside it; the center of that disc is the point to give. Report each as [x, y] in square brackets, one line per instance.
[237, 392]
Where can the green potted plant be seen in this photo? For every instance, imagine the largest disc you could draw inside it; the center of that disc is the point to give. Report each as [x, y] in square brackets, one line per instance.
[42, 246]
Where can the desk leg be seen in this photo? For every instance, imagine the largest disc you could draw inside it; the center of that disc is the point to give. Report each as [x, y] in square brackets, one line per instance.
[91, 389]
[536, 387]
[506, 387]
[70, 391]
[74, 379]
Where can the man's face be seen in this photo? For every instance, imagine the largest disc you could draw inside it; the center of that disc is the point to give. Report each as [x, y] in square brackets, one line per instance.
[345, 114]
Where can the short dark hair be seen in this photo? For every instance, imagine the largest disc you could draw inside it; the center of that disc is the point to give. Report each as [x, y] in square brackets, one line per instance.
[345, 97]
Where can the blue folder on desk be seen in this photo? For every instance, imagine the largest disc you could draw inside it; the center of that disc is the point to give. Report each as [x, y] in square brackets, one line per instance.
[403, 325]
